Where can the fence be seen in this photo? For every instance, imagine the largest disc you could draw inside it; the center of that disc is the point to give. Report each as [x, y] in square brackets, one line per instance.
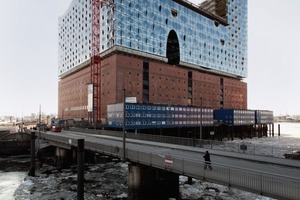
[267, 184]
[230, 146]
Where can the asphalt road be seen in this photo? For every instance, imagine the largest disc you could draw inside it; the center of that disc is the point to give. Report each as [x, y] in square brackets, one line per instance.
[277, 166]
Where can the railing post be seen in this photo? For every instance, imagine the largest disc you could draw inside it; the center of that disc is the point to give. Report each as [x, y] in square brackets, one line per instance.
[229, 180]
[32, 155]
[80, 169]
[261, 186]
[183, 166]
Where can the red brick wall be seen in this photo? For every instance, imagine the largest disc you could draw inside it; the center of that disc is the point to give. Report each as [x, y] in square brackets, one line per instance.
[72, 92]
[120, 72]
[168, 84]
[129, 77]
[108, 83]
[207, 87]
[235, 94]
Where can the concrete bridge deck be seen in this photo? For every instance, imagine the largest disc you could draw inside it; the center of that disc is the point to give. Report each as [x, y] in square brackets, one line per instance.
[268, 176]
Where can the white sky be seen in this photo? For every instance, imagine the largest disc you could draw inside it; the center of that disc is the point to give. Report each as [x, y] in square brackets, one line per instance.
[29, 55]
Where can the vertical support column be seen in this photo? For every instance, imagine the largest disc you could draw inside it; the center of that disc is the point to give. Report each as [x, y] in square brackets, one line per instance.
[278, 129]
[232, 132]
[271, 129]
[80, 169]
[259, 131]
[32, 155]
[148, 183]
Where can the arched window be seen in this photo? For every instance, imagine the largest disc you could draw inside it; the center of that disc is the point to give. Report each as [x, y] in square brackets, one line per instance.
[173, 51]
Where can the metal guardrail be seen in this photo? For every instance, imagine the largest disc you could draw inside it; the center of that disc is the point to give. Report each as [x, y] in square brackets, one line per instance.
[267, 184]
[252, 149]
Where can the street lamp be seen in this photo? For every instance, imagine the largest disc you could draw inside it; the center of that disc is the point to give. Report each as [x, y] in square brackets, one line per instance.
[200, 118]
[124, 121]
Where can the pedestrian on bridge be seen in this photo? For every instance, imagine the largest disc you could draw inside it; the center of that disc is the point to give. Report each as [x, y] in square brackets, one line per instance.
[207, 161]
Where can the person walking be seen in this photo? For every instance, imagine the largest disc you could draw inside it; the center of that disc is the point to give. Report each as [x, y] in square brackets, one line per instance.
[207, 161]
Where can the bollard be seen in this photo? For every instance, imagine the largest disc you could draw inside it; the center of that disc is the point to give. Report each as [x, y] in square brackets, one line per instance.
[80, 169]
[32, 155]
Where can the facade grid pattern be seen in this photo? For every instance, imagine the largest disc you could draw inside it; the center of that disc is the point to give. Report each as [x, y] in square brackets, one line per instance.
[144, 25]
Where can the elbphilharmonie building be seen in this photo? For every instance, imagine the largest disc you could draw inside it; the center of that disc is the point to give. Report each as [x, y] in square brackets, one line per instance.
[166, 52]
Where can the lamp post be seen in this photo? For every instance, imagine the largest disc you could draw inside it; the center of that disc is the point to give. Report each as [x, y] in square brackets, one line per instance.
[124, 122]
[200, 118]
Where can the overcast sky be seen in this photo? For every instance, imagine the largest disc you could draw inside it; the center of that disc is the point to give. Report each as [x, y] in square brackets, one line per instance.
[29, 55]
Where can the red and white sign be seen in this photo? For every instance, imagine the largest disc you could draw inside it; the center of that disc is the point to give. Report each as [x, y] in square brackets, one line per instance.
[169, 160]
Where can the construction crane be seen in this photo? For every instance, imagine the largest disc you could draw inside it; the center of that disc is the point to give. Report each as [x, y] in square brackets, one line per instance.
[96, 58]
[96, 63]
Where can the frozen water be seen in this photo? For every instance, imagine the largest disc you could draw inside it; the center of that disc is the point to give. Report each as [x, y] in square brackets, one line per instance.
[12, 179]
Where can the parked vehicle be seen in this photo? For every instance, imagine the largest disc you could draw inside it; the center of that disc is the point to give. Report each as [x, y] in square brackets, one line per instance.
[293, 155]
[56, 129]
[41, 127]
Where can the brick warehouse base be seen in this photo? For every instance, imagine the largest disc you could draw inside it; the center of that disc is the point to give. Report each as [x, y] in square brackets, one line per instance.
[165, 84]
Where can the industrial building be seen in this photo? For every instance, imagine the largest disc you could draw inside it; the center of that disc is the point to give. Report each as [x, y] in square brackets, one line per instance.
[171, 53]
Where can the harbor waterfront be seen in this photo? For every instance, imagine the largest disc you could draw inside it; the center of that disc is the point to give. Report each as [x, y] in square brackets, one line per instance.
[289, 129]
[15, 168]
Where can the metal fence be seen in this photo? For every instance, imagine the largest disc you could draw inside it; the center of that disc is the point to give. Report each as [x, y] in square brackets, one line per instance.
[229, 146]
[267, 184]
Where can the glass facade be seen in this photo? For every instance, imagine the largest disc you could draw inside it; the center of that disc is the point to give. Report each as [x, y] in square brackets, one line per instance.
[74, 37]
[144, 25]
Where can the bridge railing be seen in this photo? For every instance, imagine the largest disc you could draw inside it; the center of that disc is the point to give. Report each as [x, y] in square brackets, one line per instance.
[273, 185]
[266, 150]
[267, 184]
[254, 149]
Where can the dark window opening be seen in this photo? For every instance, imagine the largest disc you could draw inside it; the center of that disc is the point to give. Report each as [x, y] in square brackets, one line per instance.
[190, 86]
[145, 82]
[174, 12]
[173, 51]
[216, 23]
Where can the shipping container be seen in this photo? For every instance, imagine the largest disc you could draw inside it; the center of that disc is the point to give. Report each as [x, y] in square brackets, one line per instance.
[146, 116]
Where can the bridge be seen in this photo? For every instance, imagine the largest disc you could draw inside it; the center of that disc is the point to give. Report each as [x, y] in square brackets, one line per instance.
[274, 177]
